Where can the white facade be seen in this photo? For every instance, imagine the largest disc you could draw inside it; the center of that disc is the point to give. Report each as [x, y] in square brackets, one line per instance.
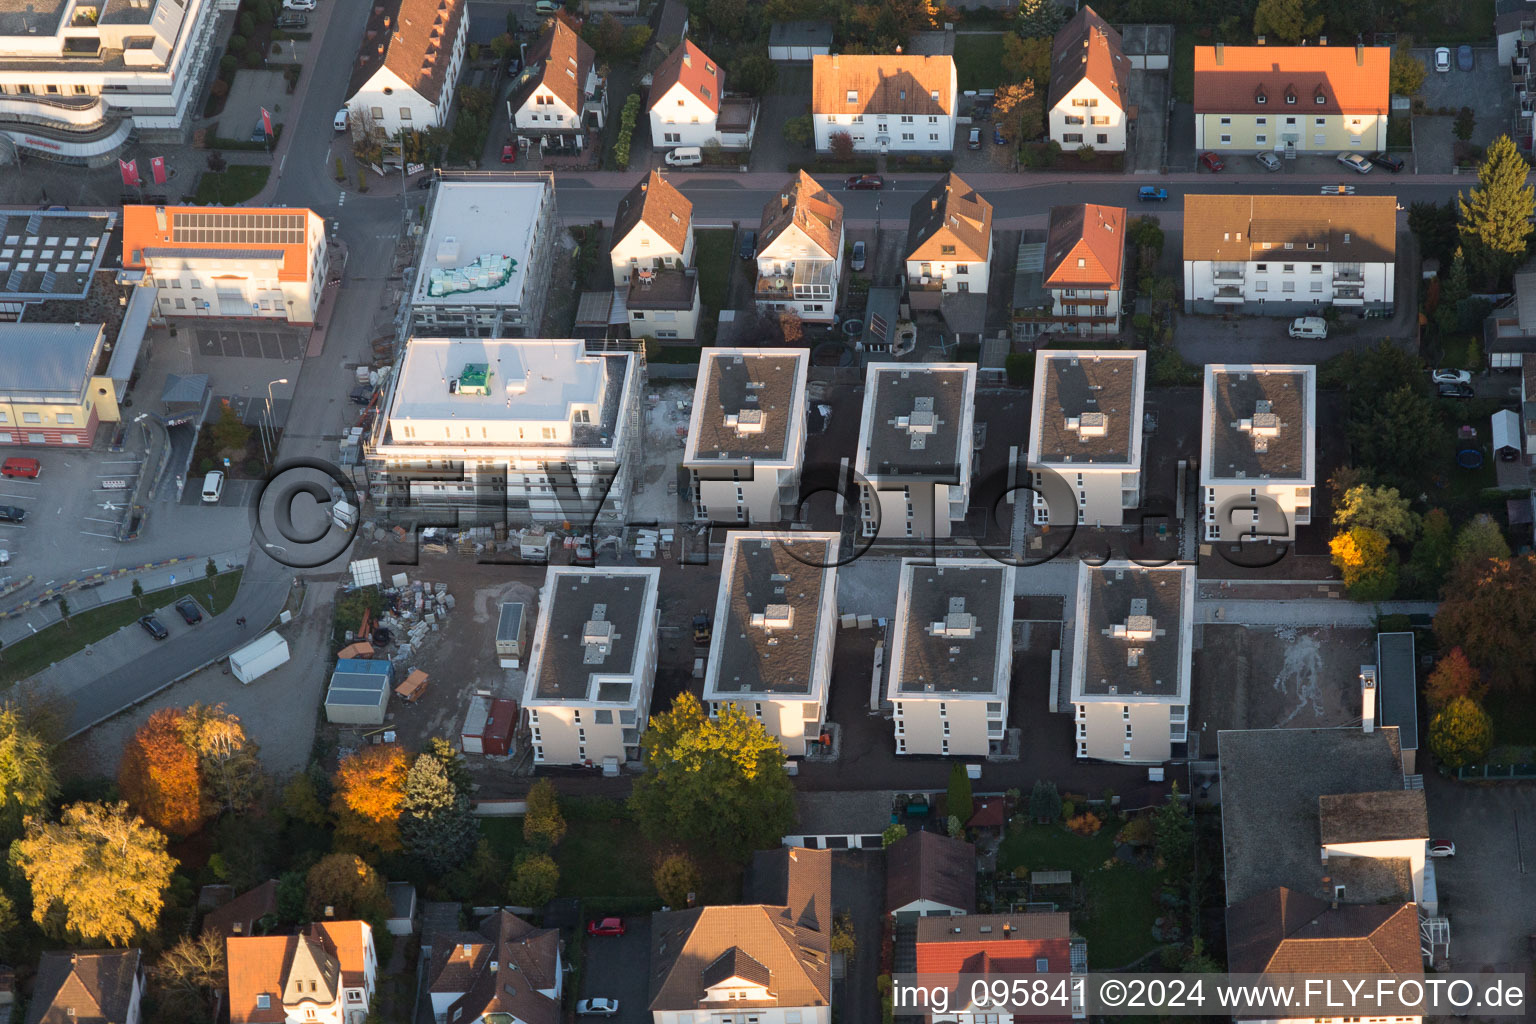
[1250, 415]
[1087, 116]
[680, 118]
[916, 444]
[875, 99]
[798, 274]
[645, 247]
[1085, 450]
[387, 103]
[952, 276]
[592, 665]
[747, 472]
[1286, 284]
[546, 111]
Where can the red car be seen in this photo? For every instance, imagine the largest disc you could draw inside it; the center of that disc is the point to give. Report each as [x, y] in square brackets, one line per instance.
[28, 468]
[508, 153]
[1212, 162]
[607, 926]
[861, 182]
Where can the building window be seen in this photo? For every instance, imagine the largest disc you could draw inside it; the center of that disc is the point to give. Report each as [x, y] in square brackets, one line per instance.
[1261, 121]
[1226, 121]
[1226, 140]
[66, 419]
[1072, 137]
[1260, 140]
[31, 417]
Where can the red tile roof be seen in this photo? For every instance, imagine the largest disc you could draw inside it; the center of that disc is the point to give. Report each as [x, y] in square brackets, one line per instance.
[996, 944]
[1348, 79]
[691, 67]
[809, 206]
[84, 987]
[239, 915]
[332, 952]
[563, 60]
[1085, 246]
[414, 39]
[1285, 931]
[882, 84]
[1087, 47]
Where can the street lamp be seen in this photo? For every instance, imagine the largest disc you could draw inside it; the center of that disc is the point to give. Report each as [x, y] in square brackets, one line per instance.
[271, 426]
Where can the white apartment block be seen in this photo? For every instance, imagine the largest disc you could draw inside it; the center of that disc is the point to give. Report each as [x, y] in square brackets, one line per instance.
[592, 665]
[949, 243]
[510, 430]
[950, 666]
[1085, 440]
[884, 102]
[1289, 255]
[1257, 451]
[246, 263]
[483, 268]
[775, 622]
[800, 252]
[916, 444]
[1132, 633]
[78, 77]
[1089, 75]
[746, 434]
[407, 70]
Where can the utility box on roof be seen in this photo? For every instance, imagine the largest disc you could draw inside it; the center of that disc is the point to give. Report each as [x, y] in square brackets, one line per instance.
[511, 634]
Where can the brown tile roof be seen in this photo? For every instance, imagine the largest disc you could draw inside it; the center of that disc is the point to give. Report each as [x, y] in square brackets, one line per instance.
[928, 866]
[810, 207]
[951, 213]
[882, 84]
[563, 60]
[498, 968]
[698, 74]
[1088, 47]
[314, 966]
[686, 944]
[90, 986]
[1085, 246]
[660, 205]
[1373, 817]
[796, 878]
[1340, 229]
[239, 915]
[1349, 79]
[414, 39]
[1282, 931]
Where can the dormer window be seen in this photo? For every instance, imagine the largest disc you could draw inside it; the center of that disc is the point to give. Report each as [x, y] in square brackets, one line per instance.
[853, 96]
[1320, 99]
[1290, 98]
[1260, 98]
[934, 96]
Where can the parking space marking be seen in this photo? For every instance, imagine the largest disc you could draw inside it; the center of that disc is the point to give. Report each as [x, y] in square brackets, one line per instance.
[108, 536]
[13, 526]
[18, 497]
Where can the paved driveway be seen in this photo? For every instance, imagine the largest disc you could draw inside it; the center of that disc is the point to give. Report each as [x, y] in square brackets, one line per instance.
[1149, 141]
[791, 97]
[616, 967]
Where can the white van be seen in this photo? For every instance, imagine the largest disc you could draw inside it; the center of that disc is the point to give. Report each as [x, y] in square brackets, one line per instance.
[1309, 327]
[685, 156]
[340, 122]
[213, 487]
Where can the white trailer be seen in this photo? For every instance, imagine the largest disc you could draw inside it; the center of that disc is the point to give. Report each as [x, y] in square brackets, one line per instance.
[259, 657]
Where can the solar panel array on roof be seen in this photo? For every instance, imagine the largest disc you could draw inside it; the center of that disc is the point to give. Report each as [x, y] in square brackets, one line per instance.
[239, 228]
[877, 324]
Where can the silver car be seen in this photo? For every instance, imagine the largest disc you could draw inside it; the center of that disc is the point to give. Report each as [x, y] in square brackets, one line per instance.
[1268, 161]
[1355, 162]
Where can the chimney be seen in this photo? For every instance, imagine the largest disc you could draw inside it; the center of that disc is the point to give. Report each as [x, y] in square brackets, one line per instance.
[1258, 41]
[935, 205]
[1322, 40]
[783, 200]
[1221, 54]
[1359, 55]
[1368, 697]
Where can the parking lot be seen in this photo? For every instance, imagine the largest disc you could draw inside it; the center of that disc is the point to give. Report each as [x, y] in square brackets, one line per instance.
[251, 343]
[1487, 89]
[616, 967]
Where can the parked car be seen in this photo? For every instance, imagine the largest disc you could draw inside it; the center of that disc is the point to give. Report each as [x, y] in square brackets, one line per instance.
[685, 156]
[1308, 327]
[1151, 194]
[860, 182]
[598, 1007]
[1442, 848]
[190, 613]
[509, 153]
[153, 627]
[292, 21]
[973, 139]
[858, 256]
[362, 394]
[424, 183]
[607, 926]
[1456, 391]
[997, 136]
[342, 118]
[1445, 375]
[1464, 59]
[213, 487]
[1268, 161]
[1355, 162]
[1212, 162]
[28, 468]
[545, 7]
[1386, 161]
[1442, 58]
[12, 514]
[298, 5]
[748, 250]
[259, 133]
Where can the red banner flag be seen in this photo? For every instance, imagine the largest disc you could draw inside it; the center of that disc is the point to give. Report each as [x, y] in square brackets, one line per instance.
[130, 169]
[266, 121]
[157, 168]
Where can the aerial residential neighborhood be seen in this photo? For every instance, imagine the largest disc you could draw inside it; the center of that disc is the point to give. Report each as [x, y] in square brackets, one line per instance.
[697, 512]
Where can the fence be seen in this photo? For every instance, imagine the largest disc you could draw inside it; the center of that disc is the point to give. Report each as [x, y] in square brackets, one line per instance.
[1496, 772]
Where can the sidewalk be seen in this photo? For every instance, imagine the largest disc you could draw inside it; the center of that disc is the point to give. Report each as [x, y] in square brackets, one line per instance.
[320, 20]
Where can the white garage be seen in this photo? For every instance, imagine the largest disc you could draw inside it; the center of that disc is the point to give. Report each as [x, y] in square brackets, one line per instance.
[799, 41]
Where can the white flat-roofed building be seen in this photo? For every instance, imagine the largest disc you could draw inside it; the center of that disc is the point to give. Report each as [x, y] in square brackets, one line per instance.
[1257, 451]
[916, 443]
[775, 623]
[746, 435]
[78, 77]
[1133, 630]
[507, 431]
[593, 664]
[951, 657]
[484, 267]
[1085, 436]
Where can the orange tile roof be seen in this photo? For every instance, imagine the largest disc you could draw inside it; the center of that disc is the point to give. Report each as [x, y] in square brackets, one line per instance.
[1088, 47]
[657, 203]
[563, 60]
[1258, 79]
[806, 204]
[953, 214]
[1286, 931]
[217, 229]
[698, 74]
[414, 39]
[883, 84]
[261, 965]
[1085, 246]
[349, 943]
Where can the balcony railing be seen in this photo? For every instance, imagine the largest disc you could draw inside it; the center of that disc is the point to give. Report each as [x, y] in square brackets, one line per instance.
[916, 283]
[1229, 295]
[1228, 273]
[1348, 275]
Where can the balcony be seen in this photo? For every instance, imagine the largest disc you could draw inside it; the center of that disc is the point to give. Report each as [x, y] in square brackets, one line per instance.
[1228, 273]
[924, 283]
[802, 280]
[1349, 297]
[1231, 296]
[1354, 276]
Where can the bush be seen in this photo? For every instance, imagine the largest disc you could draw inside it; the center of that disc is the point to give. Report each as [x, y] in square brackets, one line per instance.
[1020, 367]
[1085, 824]
[253, 58]
[205, 466]
[247, 24]
[892, 833]
[253, 467]
[621, 145]
[228, 65]
[1068, 808]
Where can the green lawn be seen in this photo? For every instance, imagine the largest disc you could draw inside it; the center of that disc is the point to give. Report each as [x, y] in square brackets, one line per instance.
[234, 184]
[977, 58]
[601, 859]
[714, 253]
[1120, 899]
[1473, 23]
[30, 656]
[1183, 66]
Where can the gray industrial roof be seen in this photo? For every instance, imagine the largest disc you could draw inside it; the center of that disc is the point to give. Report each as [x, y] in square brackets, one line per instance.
[1133, 635]
[1078, 388]
[1259, 423]
[952, 618]
[358, 682]
[595, 623]
[49, 254]
[1397, 686]
[47, 362]
[916, 426]
[768, 628]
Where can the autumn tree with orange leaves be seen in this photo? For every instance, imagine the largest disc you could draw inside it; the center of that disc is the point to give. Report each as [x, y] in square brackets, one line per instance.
[368, 792]
[159, 776]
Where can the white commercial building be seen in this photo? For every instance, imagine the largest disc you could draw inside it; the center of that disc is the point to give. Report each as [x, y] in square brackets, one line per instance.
[746, 434]
[775, 623]
[484, 265]
[407, 70]
[1289, 255]
[593, 664]
[800, 252]
[916, 443]
[1133, 629]
[507, 431]
[884, 102]
[950, 666]
[78, 77]
[1085, 443]
[1257, 451]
